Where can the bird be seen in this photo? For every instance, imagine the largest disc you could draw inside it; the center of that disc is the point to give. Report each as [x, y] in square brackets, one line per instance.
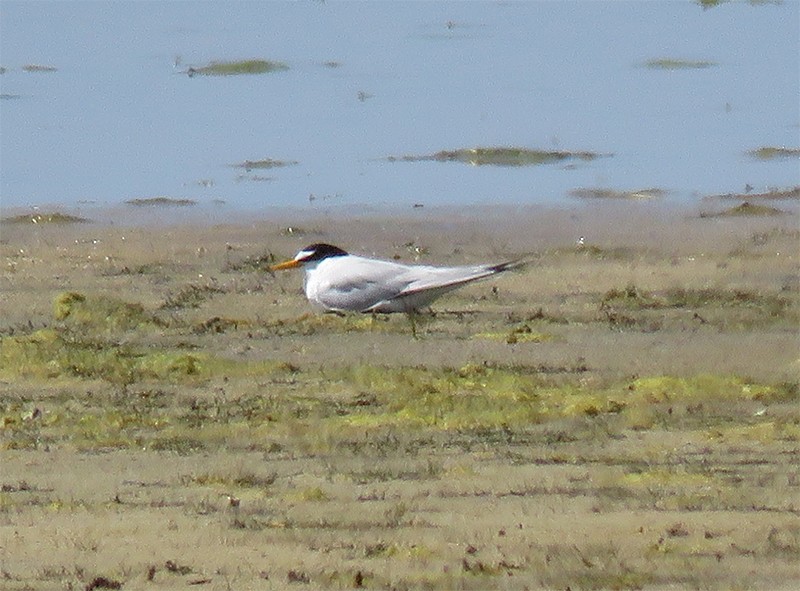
[338, 281]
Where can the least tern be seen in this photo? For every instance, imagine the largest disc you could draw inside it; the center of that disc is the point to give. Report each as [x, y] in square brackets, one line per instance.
[341, 282]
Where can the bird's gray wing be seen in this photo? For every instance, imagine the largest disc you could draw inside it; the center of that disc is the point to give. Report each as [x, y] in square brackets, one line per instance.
[429, 283]
[363, 285]
[443, 279]
[360, 284]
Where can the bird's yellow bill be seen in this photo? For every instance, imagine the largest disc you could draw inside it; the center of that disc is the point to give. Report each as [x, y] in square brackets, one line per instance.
[285, 265]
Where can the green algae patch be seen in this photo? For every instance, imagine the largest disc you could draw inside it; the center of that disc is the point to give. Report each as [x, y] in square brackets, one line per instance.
[501, 156]
[309, 324]
[729, 309]
[238, 68]
[774, 153]
[472, 397]
[55, 218]
[678, 64]
[87, 344]
[264, 164]
[634, 195]
[100, 313]
[520, 334]
[630, 297]
[51, 354]
[190, 296]
[764, 432]
[659, 389]
[633, 298]
[443, 399]
[476, 397]
[318, 411]
[160, 202]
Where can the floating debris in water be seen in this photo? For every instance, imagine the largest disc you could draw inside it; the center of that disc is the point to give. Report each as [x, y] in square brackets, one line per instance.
[256, 178]
[500, 156]
[597, 193]
[38, 68]
[266, 163]
[160, 202]
[745, 209]
[7, 97]
[678, 64]
[236, 68]
[774, 152]
[45, 218]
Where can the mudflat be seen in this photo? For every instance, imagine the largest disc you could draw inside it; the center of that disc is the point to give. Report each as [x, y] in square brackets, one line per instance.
[622, 413]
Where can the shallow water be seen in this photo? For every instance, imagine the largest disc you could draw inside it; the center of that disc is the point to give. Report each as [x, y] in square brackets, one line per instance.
[370, 84]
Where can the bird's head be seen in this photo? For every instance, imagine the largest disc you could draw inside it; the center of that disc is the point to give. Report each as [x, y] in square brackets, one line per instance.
[310, 254]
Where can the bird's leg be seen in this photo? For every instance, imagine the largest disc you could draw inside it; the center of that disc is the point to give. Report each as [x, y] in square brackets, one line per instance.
[412, 319]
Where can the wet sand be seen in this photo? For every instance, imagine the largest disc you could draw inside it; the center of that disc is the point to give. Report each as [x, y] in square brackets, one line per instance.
[620, 414]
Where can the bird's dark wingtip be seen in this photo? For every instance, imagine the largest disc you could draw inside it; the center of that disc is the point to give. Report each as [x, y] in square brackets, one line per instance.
[509, 265]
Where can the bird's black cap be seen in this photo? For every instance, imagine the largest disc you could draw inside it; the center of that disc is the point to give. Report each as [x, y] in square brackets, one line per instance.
[319, 251]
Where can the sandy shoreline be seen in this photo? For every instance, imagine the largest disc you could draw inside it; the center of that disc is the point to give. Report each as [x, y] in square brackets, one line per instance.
[620, 413]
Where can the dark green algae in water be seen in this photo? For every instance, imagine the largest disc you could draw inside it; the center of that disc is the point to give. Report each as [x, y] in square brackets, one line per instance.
[501, 156]
[160, 202]
[264, 164]
[774, 152]
[238, 68]
[678, 64]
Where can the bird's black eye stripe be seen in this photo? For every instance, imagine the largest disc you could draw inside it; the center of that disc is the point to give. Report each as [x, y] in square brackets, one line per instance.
[317, 252]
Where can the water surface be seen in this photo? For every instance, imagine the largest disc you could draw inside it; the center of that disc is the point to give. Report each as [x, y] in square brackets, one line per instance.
[109, 114]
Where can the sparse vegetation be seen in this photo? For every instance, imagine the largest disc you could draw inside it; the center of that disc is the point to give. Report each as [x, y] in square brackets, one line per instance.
[632, 307]
[163, 395]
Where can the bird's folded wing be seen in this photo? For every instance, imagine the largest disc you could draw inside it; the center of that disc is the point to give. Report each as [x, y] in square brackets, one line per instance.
[370, 285]
[445, 278]
[363, 287]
